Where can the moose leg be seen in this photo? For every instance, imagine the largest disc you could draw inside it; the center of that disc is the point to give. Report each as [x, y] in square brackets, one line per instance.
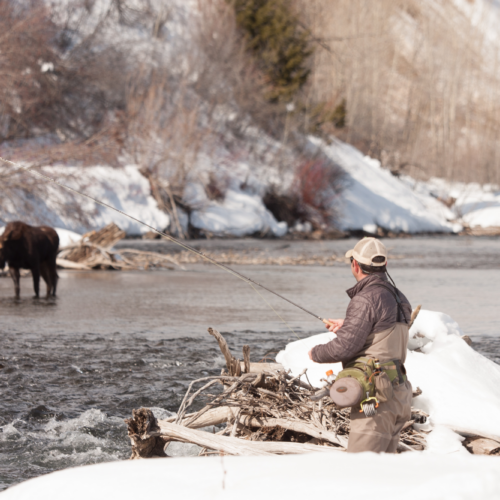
[52, 269]
[35, 271]
[44, 271]
[15, 275]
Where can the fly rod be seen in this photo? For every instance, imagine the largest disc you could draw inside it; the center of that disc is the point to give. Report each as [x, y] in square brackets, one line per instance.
[168, 236]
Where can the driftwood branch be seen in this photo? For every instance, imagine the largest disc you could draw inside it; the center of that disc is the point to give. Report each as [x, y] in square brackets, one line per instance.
[233, 364]
[246, 358]
[414, 315]
[233, 446]
[141, 430]
[95, 251]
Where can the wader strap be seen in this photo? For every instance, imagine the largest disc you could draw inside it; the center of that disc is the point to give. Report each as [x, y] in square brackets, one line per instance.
[395, 370]
[395, 294]
[401, 371]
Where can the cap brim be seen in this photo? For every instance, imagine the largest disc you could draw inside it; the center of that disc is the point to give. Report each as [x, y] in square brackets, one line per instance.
[349, 254]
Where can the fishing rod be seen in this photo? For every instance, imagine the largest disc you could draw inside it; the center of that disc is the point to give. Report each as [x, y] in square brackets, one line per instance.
[168, 236]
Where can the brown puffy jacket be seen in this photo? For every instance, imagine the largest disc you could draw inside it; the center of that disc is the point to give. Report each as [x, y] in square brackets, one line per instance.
[372, 309]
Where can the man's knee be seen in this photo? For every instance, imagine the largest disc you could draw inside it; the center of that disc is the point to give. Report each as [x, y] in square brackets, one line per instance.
[368, 441]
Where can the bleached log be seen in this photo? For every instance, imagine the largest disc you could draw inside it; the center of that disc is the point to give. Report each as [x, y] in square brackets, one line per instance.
[263, 367]
[297, 426]
[234, 446]
[215, 416]
[223, 414]
[482, 446]
[68, 264]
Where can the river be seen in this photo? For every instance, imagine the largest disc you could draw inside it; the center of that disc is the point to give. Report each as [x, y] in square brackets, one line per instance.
[71, 369]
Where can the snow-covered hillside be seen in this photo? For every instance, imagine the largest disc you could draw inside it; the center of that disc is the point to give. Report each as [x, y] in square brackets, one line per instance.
[372, 198]
[375, 198]
[123, 188]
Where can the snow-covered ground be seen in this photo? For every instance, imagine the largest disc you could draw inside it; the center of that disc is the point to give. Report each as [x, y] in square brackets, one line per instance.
[239, 214]
[455, 380]
[472, 204]
[412, 476]
[125, 189]
[372, 198]
[375, 198]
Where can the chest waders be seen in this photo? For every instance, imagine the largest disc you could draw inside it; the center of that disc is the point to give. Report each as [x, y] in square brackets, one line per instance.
[365, 381]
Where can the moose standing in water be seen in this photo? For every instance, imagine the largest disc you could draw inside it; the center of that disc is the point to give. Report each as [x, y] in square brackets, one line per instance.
[34, 248]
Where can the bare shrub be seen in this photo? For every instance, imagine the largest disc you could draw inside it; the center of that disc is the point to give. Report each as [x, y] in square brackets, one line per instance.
[164, 125]
[285, 207]
[47, 87]
[229, 76]
[318, 183]
[312, 197]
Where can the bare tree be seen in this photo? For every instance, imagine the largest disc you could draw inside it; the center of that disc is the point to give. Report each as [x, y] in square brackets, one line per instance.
[420, 79]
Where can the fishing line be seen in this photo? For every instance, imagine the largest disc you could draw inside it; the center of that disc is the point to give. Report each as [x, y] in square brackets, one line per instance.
[238, 275]
[275, 311]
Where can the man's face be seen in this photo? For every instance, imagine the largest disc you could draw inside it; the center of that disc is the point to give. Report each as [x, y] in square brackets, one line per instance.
[353, 267]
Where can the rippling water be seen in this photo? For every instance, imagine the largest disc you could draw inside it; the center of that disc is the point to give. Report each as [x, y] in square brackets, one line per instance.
[73, 368]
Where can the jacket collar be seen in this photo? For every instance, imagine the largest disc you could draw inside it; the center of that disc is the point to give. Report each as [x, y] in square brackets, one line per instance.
[360, 285]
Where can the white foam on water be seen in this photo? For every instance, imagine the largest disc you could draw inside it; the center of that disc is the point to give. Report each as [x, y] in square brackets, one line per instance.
[9, 431]
[59, 459]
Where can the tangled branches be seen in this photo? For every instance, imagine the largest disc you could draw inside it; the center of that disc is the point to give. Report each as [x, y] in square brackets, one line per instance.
[262, 409]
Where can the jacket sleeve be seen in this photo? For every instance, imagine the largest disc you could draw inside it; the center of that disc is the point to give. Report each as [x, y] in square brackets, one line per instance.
[351, 337]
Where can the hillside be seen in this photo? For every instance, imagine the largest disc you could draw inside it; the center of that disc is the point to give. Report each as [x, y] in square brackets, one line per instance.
[161, 108]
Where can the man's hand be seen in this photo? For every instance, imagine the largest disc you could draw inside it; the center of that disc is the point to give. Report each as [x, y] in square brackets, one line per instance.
[334, 325]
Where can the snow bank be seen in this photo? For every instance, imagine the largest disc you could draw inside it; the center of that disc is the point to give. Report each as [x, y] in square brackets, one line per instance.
[123, 188]
[460, 387]
[478, 205]
[67, 237]
[239, 214]
[374, 197]
[472, 204]
[411, 476]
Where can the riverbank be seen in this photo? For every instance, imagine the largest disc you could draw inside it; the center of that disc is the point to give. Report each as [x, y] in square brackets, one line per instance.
[427, 252]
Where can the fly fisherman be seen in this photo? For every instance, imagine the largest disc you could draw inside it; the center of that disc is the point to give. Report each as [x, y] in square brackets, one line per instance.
[375, 328]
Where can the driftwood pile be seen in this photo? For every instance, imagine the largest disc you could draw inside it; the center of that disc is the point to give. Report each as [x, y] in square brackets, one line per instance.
[95, 251]
[261, 410]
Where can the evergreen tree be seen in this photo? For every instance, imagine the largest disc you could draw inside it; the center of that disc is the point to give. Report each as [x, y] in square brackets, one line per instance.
[281, 46]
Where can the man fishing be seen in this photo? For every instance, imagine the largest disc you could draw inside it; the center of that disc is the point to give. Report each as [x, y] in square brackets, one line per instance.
[375, 326]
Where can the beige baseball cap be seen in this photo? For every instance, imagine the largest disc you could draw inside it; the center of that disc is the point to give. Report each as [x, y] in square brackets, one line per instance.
[366, 249]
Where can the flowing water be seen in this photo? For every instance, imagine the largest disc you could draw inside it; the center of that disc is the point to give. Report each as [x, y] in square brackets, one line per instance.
[72, 369]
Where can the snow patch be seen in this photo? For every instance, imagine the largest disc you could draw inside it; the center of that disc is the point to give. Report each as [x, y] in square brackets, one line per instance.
[414, 476]
[67, 237]
[374, 197]
[239, 214]
[125, 189]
